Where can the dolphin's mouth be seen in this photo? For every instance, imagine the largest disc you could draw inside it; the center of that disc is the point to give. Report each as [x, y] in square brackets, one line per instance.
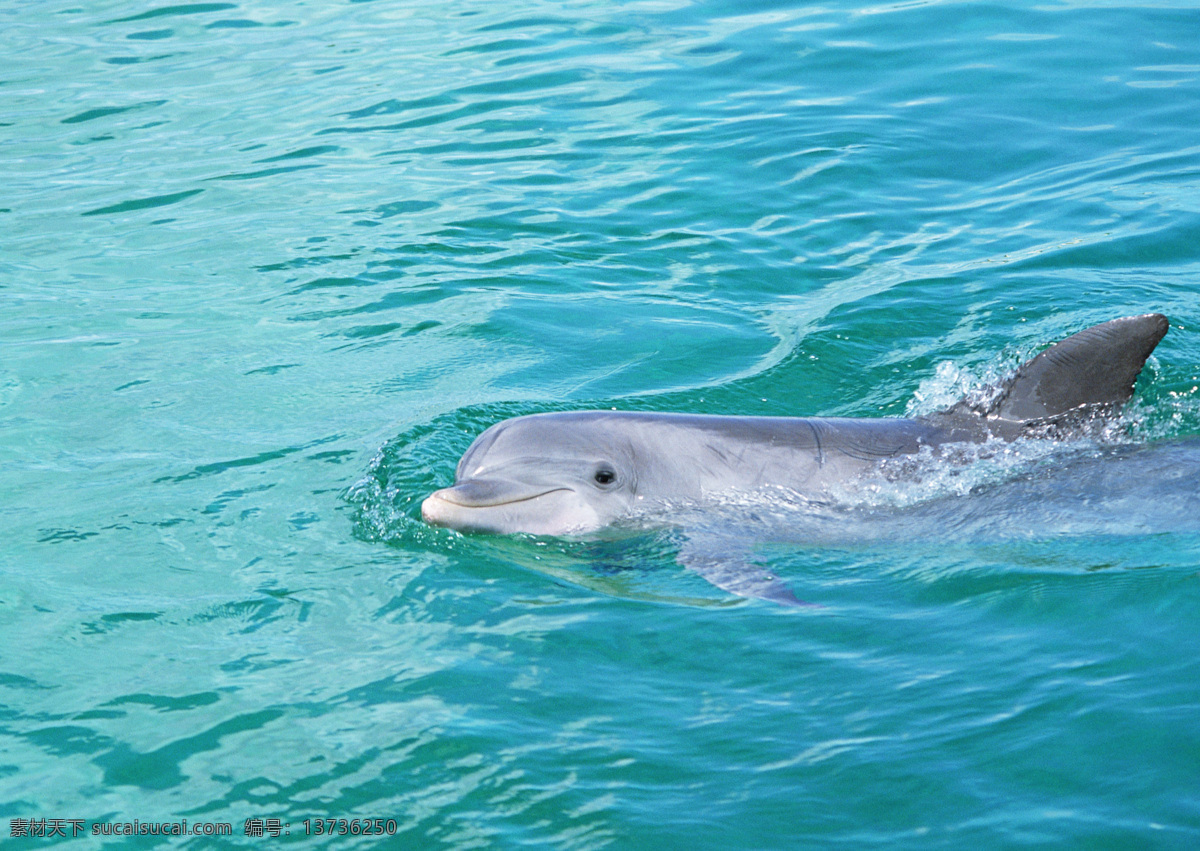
[488, 493]
[473, 505]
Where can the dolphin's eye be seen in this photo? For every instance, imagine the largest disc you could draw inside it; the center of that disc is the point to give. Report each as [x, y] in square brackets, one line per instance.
[604, 476]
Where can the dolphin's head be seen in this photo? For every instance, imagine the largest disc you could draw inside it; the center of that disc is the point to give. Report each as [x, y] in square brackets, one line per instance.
[545, 474]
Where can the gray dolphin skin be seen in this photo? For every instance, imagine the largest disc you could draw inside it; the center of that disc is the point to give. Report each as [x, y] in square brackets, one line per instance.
[573, 473]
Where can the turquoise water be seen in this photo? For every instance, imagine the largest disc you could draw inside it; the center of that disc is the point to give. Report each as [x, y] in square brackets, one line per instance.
[266, 270]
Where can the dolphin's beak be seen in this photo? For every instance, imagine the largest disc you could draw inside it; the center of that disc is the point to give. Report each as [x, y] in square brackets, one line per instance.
[437, 511]
[445, 507]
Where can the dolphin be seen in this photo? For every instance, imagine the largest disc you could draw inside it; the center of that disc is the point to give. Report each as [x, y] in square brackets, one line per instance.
[578, 472]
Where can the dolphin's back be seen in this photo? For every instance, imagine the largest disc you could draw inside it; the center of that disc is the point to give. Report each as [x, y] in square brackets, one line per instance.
[696, 453]
[827, 437]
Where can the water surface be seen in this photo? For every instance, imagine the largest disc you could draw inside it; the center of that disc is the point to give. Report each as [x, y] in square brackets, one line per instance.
[266, 270]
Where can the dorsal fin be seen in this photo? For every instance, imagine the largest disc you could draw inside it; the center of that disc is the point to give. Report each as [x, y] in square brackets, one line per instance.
[1092, 370]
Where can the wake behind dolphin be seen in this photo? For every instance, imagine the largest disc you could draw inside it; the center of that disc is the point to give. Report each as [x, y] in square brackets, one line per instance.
[574, 473]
